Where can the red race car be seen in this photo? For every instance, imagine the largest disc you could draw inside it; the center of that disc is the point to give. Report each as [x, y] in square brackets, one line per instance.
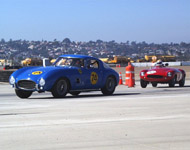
[160, 73]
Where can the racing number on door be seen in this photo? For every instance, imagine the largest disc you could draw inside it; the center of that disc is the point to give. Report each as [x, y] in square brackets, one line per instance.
[94, 78]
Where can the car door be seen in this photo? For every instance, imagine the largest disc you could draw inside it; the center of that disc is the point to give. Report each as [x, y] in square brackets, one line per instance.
[77, 76]
[93, 74]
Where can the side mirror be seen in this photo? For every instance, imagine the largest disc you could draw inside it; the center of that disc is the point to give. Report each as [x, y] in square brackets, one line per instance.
[166, 64]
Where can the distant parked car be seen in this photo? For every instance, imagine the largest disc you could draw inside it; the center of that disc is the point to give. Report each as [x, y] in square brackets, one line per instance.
[69, 74]
[162, 74]
[11, 67]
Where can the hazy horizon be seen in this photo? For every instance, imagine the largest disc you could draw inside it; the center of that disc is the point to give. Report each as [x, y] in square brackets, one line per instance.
[93, 41]
[152, 21]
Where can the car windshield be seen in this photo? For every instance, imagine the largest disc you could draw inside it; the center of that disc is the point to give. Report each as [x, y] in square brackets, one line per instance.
[63, 61]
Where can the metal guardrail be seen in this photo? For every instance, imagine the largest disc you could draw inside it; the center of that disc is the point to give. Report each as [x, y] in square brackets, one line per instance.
[149, 64]
[185, 63]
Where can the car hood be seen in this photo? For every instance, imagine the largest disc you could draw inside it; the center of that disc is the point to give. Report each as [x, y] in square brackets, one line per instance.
[159, 70]
[36, 73]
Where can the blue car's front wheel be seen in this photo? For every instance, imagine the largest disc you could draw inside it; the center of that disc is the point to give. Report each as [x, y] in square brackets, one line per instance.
[23, 93]
[60, 88]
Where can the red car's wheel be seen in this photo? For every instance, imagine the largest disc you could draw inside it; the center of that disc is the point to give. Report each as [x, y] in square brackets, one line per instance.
[143, 83]
[182, 82]
[172, 82]
[154, 84]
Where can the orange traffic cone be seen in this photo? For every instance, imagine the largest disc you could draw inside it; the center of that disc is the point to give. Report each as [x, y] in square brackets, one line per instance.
[120, 79]
[130, 77]
[131, 81]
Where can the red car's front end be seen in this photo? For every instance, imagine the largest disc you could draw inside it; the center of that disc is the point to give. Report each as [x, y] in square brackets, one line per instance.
[158, 74]
[162, 74]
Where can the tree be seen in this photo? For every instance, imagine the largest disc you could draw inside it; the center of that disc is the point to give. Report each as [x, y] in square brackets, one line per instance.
[2, 41]
[67, 41]
[10, 41]
[99, 41]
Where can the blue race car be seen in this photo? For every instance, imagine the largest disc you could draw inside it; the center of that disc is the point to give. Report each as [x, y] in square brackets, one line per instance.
[69, 74]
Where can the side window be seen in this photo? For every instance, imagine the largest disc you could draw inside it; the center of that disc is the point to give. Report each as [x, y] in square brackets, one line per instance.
[92, 63]
[78, 62]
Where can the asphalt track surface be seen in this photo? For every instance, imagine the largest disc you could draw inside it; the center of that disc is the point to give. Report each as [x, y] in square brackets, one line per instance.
[131, 119]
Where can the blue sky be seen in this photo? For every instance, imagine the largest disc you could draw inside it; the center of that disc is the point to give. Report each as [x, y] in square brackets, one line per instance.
[158, 21]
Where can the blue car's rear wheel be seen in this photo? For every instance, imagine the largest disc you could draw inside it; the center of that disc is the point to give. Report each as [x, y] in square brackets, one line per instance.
[22, 93]
[109, 87]
[60, 89]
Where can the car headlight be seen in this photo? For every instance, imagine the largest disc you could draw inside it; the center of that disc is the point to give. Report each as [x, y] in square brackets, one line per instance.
[142, 73]
[42, 82]
[169, 74]
[12, 80]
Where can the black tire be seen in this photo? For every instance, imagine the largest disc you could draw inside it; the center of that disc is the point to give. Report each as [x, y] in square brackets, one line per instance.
[75, 93]
[182, 82]
[143, 83]
[60, 88]
[172, 82]
[154, 84]
[109, 87]
[23, 93]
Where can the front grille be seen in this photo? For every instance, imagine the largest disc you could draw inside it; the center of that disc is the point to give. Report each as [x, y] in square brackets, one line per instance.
[27, 84]
[155, 76]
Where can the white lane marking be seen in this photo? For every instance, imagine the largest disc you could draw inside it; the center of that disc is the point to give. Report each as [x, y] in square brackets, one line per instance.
[162, 96]
[82, 121]
[128, 97]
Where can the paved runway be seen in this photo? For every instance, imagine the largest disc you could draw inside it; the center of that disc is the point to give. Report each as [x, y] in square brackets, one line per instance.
[131, 119]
